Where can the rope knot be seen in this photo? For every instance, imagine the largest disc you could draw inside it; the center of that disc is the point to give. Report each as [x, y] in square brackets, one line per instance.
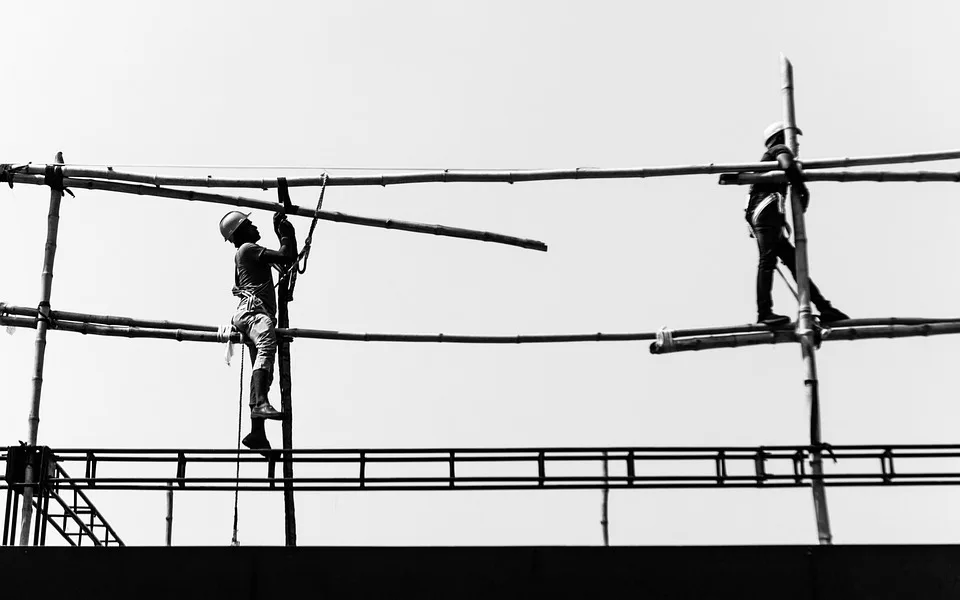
[665, 339]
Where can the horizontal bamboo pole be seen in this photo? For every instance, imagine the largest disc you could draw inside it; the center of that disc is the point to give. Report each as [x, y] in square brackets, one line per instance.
[143, 190]
[63, 315]
[385, 179]
[24, 316]
[494, 176]
[210, 334]
[784, 336]
[845, 177]
[181, 335]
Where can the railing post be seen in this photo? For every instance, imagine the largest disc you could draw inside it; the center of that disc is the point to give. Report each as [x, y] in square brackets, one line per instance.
[604, 514]
[169, 537]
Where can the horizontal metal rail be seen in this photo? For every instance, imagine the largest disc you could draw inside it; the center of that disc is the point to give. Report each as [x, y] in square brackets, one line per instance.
[519, 469]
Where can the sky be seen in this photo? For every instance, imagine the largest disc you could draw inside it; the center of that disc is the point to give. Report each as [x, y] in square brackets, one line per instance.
[491, 85]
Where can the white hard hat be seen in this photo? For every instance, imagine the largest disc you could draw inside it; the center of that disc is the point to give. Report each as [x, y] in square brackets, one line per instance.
[775, 128]
[231, 222]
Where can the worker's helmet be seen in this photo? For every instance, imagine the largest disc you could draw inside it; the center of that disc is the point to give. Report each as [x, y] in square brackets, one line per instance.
[231, 222]
[775, 128]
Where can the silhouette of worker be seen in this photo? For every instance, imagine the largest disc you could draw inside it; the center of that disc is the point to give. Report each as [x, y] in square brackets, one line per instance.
[256, 314]
[765, 215]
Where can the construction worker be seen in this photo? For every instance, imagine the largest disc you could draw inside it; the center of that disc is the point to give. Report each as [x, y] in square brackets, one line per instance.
[256, 314]
[765, 215]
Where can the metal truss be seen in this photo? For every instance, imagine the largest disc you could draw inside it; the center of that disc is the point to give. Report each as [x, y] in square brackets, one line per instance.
[73, 515]
[507, 468]
[78, 521]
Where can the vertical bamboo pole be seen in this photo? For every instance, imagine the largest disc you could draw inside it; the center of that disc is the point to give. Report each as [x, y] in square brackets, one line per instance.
[170, 514]
[286, 405]
[43, 321]
[604, 519]
[804, 318]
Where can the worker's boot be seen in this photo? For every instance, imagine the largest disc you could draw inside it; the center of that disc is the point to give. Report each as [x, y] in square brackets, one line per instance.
[257, 438]
[259, 404]
[829, 314]
[772, 319]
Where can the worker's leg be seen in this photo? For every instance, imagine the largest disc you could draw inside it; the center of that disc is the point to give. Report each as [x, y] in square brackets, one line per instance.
[767, 240]
[264, 336]
[828, 314]
[248, 323]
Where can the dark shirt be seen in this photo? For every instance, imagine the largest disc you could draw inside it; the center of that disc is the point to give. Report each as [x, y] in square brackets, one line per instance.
[770, 213]
[254, 277]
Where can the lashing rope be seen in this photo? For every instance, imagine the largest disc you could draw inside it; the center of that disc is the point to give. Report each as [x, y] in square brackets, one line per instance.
[665, 339]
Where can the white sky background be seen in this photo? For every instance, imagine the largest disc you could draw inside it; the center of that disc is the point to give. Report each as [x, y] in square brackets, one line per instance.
[488, 85]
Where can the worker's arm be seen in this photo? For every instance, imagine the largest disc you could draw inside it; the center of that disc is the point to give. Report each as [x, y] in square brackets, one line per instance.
[784, 156]
[287, 235]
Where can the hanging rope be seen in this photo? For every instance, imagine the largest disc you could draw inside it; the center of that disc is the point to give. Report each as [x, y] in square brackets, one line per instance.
[304, 255]
[236, 492]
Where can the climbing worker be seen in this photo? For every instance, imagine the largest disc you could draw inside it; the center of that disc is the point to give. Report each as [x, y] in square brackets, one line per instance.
[768, 224]
[256, 314]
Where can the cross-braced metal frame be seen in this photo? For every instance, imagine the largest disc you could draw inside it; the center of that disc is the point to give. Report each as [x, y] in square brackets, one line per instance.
[72, 515]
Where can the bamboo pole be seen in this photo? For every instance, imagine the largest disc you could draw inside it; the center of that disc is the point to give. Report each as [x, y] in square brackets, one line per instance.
[63, 315]
[604, 511]
[783, 336]
[286, 405]
[444, 176]
[324, 215]
[683, 339]
[845, 177]
[495, 176]
[43, 322]
[805, 331]
[169, 536]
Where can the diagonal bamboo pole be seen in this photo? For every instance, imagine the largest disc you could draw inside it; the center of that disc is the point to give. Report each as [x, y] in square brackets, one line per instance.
[845, 177]
[492, 176]
[161, 192]
[805, 331]
[43, 323]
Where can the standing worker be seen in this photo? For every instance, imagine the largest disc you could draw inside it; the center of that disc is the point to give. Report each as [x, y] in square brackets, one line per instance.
[765, 215]
[256, 316]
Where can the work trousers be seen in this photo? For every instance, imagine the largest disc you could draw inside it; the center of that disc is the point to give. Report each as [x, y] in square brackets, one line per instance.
[772, 245]
[260, 336]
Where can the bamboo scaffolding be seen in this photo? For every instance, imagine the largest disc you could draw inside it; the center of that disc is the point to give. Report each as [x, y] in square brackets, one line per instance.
[493, 176]
[845, 177]
[43, 323]
[338, 217]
